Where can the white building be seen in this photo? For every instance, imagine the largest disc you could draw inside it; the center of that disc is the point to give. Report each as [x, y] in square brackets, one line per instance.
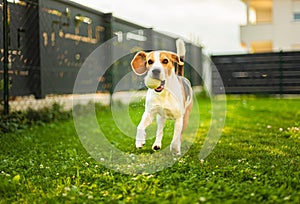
[272, 25]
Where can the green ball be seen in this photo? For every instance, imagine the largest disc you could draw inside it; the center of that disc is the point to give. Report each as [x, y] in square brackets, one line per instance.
[152, 83]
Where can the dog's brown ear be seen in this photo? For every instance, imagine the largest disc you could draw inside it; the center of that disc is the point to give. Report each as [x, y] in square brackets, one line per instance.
[138, 64]
[177, 59]
[180, 64]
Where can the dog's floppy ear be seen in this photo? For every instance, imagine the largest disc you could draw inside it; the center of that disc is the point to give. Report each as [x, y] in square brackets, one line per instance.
[180, 64]
[138, 64]
[177, 59]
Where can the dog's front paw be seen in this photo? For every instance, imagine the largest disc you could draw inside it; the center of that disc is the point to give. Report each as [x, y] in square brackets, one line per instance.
[140, 139]
[175, 150]
[139, 144]
[156, 146]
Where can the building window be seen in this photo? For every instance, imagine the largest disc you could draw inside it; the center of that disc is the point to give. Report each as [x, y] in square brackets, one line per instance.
[261, 46]
[296, 10]
[252, 16]
[297, 16]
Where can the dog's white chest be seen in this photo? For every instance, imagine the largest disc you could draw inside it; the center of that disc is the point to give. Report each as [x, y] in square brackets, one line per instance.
[165, 104]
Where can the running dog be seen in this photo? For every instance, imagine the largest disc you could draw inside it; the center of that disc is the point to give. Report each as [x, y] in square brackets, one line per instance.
[169, 94]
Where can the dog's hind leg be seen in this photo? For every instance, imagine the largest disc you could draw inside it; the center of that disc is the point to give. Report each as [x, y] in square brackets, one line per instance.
[141, 133]
[159, 132]
[186, 118]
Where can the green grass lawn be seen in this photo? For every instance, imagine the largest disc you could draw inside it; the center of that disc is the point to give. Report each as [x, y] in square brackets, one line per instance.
[256, 160]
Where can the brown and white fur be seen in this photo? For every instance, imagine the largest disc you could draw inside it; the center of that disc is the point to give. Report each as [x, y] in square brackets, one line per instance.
[173, 99]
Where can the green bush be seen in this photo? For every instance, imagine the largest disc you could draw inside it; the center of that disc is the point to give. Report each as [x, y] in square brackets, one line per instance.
[22, 119]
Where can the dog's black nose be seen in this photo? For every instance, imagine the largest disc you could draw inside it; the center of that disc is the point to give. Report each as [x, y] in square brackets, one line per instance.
[156, 73]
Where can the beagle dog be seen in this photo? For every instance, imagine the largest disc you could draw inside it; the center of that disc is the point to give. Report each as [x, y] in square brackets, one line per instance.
[169, 94]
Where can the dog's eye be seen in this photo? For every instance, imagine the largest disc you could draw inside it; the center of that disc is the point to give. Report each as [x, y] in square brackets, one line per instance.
[150, 62]
[165, 61]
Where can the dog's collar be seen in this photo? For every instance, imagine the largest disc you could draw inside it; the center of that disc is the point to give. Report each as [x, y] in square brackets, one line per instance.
[161, 87]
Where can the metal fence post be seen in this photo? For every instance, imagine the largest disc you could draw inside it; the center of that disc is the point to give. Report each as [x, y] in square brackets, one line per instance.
[108, 18]
[5, 61]
[281, 73]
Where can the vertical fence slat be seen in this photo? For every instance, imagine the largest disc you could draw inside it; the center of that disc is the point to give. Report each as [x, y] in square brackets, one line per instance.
[5, 61]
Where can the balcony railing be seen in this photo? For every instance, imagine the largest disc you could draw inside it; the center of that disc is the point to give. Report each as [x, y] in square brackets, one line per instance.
[256, 32]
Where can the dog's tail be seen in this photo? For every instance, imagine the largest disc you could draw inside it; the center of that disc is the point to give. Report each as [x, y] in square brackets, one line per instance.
[181, 53]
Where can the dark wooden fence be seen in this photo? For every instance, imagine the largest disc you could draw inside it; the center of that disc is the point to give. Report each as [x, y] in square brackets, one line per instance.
[264, 73]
